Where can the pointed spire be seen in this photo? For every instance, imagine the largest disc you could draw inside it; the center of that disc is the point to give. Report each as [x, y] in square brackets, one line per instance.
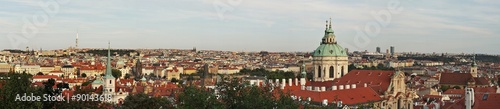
[330, 26]
[326, 25]
[108, 64]
[474, 60]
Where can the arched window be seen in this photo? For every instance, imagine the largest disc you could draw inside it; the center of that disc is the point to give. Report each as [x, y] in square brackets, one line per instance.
[342, 71]
[331, 72]
[319, 71]
[109, 81]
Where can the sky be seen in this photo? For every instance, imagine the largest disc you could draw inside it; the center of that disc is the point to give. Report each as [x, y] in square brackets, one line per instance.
[425, 26]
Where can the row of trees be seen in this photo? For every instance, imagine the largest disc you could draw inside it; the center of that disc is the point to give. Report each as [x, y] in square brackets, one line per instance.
[269, 74]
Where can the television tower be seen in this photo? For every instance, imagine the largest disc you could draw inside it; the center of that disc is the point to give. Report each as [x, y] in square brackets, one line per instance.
[76, 44]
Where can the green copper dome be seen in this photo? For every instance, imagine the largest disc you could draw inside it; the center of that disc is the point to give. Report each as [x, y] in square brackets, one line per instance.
[97, 81]
[330, 50]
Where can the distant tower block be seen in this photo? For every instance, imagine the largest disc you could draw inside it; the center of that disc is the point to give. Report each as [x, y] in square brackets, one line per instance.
[392, 50]
[378, 50]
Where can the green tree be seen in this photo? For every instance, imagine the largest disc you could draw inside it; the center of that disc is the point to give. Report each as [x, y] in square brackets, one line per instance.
[116, 73]
[18, 84]
[196, 98]
[127, 76]
[174, 80]
[243, 96]
[84, 75]
[444, 88]
[143, 101]
[39, 73]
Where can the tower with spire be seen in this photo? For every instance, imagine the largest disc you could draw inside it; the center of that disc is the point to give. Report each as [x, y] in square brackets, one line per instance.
[473, 68]
[330, 60]
[109, 80]
[76, 44]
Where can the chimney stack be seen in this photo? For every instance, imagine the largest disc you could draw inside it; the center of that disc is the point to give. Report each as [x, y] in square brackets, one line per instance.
[323, 88]
[366, 85]
[302, 81]
[353, 86]
[347, 86]
[290, 82]
[334, 87]
[341, 87]
[283, 82]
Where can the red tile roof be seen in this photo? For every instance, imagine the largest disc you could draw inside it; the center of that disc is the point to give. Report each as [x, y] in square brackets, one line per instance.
[455, 78]
[379, 80]
[491, 101]
[348, 96]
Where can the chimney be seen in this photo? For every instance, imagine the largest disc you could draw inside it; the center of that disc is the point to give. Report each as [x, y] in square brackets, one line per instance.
[366, 85]
[317, 89]
[341, 87]
[258, 83]
[290, 82]
[296, 81]
[270, 82]
[353, 86]
[347, 86]
[334, 87]
[498, 89]
[302, 81]
[283, 82]
[323, 88]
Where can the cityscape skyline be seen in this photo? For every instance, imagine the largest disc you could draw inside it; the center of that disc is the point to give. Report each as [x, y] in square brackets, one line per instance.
[257, 25]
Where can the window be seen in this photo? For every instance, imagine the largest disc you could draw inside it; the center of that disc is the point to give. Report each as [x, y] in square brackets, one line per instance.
[331, 72]
[109, 81]
[319, 71]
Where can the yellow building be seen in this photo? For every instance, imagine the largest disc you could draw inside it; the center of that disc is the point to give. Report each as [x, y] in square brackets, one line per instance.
[189, 70]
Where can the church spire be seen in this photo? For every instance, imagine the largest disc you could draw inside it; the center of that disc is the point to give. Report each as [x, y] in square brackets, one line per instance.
[330, 26]
[108, 64]
[474, 61]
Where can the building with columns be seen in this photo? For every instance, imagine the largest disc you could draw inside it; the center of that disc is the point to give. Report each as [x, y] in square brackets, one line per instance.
[330, 60]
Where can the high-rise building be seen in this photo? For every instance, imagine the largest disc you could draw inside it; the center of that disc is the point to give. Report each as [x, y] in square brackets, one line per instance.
[392, 50]
[378, 50]
[330, 60]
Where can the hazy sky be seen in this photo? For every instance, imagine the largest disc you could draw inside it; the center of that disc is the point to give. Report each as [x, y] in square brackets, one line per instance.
[453, 26]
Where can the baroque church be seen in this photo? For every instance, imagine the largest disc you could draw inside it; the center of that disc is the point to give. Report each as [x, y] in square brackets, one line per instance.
[334, 84]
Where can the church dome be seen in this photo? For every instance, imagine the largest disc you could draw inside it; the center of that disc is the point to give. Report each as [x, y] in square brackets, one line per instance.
[330, 50]
[329, 46]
